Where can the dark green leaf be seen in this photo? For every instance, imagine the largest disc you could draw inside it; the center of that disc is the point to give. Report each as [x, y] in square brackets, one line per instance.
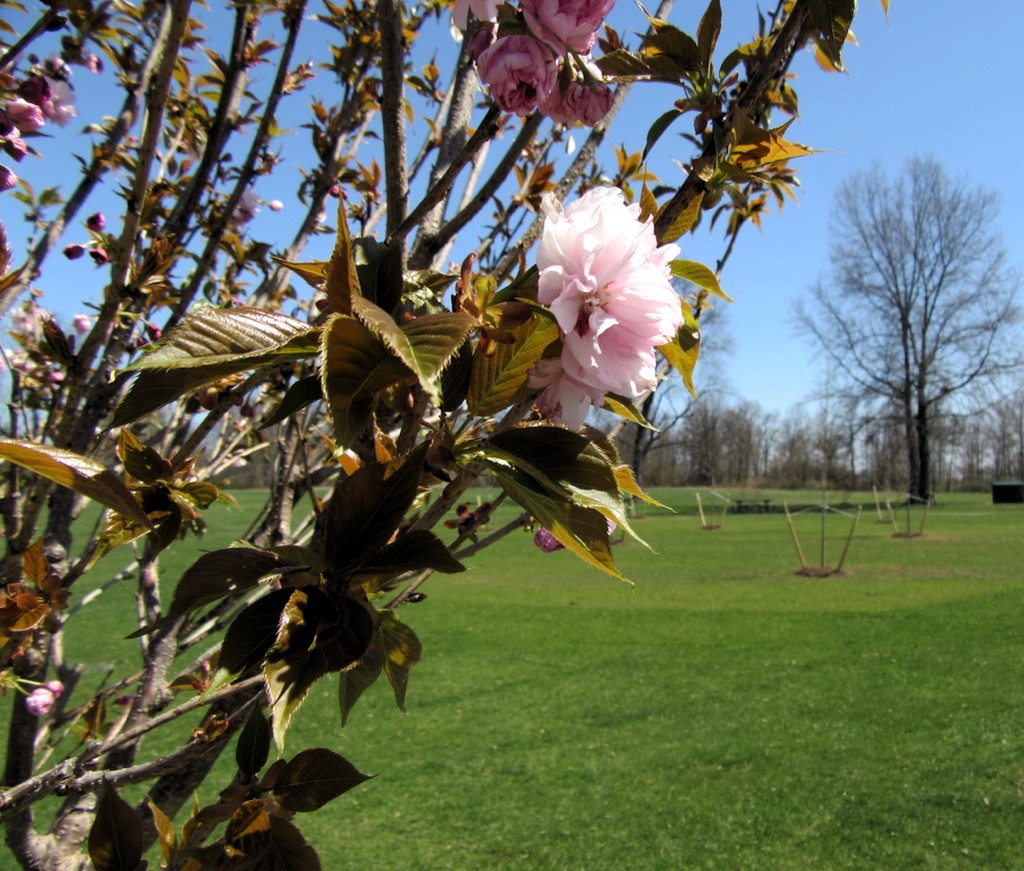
[115, 839]
[77, 473]
[253, 747]
[833, 18]
[313, 778]
[289, 849]
[356, 367]
[456, 377]
[352, 683]
[222, 573]
[414, 551]
[303, 392]
[367, 507]
[140, 461]
[319, 633]
[252, 633]
[380, 271]
[707, 32]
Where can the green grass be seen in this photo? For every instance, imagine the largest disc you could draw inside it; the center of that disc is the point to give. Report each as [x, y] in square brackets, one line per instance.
[724, 713]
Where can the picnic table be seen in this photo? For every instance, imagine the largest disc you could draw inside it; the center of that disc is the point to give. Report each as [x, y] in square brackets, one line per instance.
[751, 506]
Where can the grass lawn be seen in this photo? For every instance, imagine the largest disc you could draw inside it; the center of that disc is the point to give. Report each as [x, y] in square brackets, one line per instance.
[724, 713]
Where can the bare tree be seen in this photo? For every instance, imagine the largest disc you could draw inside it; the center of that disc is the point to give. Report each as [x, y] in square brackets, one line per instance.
[920, 303]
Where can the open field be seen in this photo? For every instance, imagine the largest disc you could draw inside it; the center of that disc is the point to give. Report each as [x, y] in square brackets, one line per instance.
[724, 713]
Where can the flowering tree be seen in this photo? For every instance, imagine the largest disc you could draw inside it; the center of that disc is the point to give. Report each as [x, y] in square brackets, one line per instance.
[375, 375]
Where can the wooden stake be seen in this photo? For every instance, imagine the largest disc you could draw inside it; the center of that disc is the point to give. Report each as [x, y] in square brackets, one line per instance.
[849, 538]
[700, 510]
[796, 539]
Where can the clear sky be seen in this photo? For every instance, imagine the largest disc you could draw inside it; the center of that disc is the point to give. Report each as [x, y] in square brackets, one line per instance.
[937, 78]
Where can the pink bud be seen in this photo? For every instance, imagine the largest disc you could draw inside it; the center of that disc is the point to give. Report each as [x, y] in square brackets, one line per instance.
[93, 63]
[334, 190]
[275, 205]
[96, 222]
[546, 541]
[15, 146]
[55, 687]
[99, 256]
[7, 178]
[73, 252]
[39, 701]
[81, 323]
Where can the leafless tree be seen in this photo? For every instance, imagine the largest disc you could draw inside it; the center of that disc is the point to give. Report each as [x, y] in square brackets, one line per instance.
[920, 305]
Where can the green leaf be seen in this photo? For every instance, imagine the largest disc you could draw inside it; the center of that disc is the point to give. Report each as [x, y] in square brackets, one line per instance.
[209, 337]
[314, 273]
[584, 531]
[115, 838]
[313, 778]
[625, 408]
[341, 279]
[682, 352]
[660, 125]
[319, 633]
[353, 682]
[356, 367]
[253, 747]
[500, 372]
[699, 274]
[402, 650]
[425, 344]
[568, 465]
[686, 220]
[289, 849]
[623, 64]
[756, 147]
[77, 473]
[208, 345]
[367, 507]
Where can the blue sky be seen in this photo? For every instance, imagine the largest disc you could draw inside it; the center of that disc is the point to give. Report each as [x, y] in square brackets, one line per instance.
[936, 78]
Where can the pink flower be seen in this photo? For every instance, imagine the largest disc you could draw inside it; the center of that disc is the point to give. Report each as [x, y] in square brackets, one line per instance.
[99, 255]
[26, 116]
[7, 178]
[520, 72]
[39, 701]
[566, 24]
[245, 211]
[96, 222]
[585, 100]
[61, 106]
[483, 10]
[608, 285]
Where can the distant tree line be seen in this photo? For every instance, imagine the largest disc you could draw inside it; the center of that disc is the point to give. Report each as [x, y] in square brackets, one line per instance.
[718, 441]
